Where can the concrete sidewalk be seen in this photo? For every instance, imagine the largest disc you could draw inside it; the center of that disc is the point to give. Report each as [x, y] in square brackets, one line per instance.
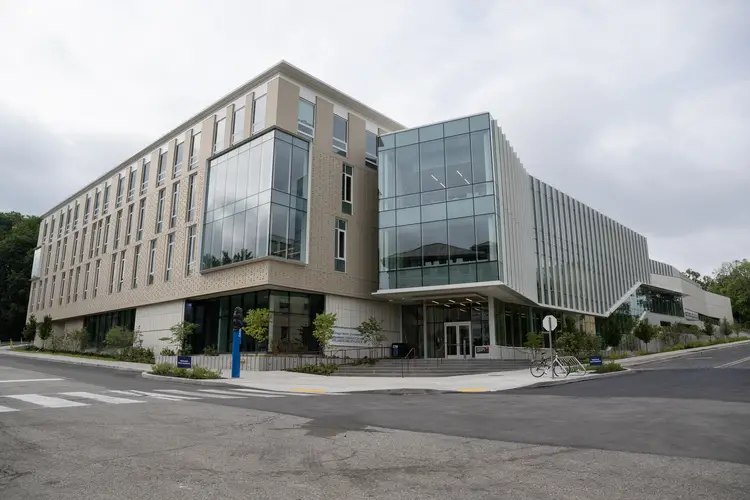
[663, 356]
[59, 358]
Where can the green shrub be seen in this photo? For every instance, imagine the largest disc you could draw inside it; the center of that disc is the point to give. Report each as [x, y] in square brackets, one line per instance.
[697, 343]
[198, 372]
[162, 369]
[137, 354]
[119, 336]
[210, 351]
[609, 367]
[615, 355]
[315, 369]
[167, 351]
[642, 353]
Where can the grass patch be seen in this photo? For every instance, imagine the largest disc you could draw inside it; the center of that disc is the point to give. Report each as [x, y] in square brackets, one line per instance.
[315, 369]
[196, 373]
[86, 355]
[127, 354]
[609, 368]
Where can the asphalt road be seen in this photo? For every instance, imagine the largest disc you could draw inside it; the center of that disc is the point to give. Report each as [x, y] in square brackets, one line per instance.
[676, 430]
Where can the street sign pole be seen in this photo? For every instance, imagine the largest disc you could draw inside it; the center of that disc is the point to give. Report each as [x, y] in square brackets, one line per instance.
[236, 341]
[549, 323]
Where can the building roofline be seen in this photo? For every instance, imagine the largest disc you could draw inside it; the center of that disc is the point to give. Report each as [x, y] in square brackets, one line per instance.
[281, 68]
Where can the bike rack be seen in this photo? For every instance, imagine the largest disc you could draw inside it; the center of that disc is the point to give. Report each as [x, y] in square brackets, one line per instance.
[571, 364]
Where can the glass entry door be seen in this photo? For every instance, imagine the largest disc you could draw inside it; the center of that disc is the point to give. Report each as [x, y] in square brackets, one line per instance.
[458, 340]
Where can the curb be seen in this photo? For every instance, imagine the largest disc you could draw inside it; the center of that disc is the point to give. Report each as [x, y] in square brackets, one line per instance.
[180, 380]
[75, 362]
[551, 383]
[677, 354]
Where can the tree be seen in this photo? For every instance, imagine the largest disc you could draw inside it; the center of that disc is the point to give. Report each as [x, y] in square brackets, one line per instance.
[18, 237]
[45, 329]
[372, 331]
[645, 332]
[79, 339]
[29, 331]
[323, 328]
[534, 343]
[618, 323]
[732, 280]
[119, 337]
[708, 329]
[181, 335]
[725, 329]
[256, 324]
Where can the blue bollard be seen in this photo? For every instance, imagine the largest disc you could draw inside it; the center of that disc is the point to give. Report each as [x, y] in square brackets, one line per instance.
[236, 341]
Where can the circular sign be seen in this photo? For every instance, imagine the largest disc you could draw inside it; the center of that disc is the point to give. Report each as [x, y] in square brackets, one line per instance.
[549, 323]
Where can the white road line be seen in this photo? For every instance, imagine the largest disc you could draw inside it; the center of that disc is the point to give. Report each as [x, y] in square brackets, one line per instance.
[733, 363]
[102, 398]
[258, 391]
[31, 380]
[46, 401]
[244, 395]
[198, 394]
[153, 395]
[5, 409]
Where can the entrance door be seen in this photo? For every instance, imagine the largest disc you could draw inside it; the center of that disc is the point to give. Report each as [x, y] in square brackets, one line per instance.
[458, 340]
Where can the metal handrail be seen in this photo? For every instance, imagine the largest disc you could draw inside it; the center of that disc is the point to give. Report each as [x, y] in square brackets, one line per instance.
[405, 359]
[438, 359]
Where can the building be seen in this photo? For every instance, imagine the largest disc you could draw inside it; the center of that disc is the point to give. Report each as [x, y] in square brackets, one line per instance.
[290, 195]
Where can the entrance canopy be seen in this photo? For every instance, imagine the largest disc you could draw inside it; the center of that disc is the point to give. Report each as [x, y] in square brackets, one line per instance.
[493, 289]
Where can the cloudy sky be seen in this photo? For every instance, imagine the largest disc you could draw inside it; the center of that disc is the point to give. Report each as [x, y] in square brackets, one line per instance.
[639, 109]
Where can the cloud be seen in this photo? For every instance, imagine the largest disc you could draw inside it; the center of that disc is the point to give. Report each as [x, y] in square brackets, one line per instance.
[636, 108]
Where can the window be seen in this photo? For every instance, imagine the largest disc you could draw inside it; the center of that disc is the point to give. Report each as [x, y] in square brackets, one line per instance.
[98, 237]
[340, 135]
[92, 241]
[151, 261]
[136, 257]
[67, 220]
[70, 288]
[238, 124]
[120, 190]
[106, 199]
[160, 211]
[40, 300]
[175, 205]
[191, 241]
[64, 248]
[179, 151]
[144, 177]
[106, 234]
[74, 250]
[113, 273]
[306, 118]
[96, 278]
[83, 241]
[57, 256]
[161, 168]
[118, 221]
[346, 189]
[170, 255]
[96, 203]
[75, 285]
[219, 134]
[121, 273]
[44, 231]
[60, 224]
[195, 150]
[129, 224]
[132, 179]
[49, 258]
[86, 281]
[75, 217]
[52, 228]
[191, 198]
[371, 147]
[340, 233]
[86, 209]
[259, 114]
[62, 288]
[52, 292]
[141, 216]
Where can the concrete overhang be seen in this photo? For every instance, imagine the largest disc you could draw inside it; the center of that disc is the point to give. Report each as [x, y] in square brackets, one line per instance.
[495, 289]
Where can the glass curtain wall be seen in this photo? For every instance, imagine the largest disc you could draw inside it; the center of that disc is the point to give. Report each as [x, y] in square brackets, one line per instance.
[437, 210]
[256, 202]
[656, 301]
[98, 325]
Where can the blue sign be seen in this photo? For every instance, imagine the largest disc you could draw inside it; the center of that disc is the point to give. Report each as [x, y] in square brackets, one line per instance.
[184, 362]
[595, 361]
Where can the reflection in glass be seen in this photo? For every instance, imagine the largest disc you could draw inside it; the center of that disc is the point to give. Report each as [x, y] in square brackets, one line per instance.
[480, 156]
[279, 221]
[282, 164]
[461, 240]
[435, 244]
[458, 160]
[432, 165]
[407, 170]
[408, 246]
[486, 241]
[261, 241]
[387, 173]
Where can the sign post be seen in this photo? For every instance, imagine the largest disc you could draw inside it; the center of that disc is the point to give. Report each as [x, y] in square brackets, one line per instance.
[236, 341]
[549, 323]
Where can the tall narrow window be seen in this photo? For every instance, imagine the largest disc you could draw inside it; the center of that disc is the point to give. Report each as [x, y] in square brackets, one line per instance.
[160, 212]
[67, 219]
[179, 152]
[306, 118]
[57, 256]
[121, 272]
[60, 224]
[340, 233]
[191, 198]
[97, 195]
[87, 209]
[191, 242]
[144, 176]
[70, 288]
[52, 292]
[98, 237]
[195, 150]
[346, 189]
[129, 224]
[170, 257]
[49, 258]
[141, 217]
[40, 300]
[219, 134]
[118, 222]
[238, 124]
[175, 205]
[52, 229]
[161, 168]
[132, 179]
[75, 285]
[83, 244]
[151, 262]
[340, 135]
[74, 250]
[259, 114]
[136, 257]
[106, 198]
[96, 278]
[113, 274]
[106, 234]
[44, 231]
[371, 147]
[64, 248]
[75, 215]
[86, 273]
[62, 288]
[120, 190]
[92, 241]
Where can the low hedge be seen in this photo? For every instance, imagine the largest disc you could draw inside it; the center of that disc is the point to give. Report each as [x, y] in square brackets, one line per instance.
[315, 369]
[609, 368]
[130, 354]
[197, 372]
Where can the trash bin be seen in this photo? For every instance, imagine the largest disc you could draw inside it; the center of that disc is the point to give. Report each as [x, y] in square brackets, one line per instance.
[399, 349]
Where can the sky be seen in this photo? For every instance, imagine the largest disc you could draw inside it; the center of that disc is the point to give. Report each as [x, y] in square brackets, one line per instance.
[640, 109]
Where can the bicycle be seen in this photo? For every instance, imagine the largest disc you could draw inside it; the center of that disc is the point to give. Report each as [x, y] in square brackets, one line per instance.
[544, 365]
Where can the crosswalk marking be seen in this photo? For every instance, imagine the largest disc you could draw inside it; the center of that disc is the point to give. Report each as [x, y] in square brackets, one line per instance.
[258, 391]
[198, 394]
[155, 395]
[102, 398]
[46, 401]
[4, 409]
[230, 393]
